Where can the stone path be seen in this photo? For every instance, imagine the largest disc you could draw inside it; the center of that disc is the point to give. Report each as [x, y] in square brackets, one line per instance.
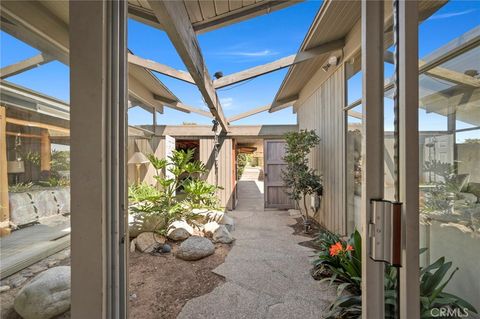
[266, 272]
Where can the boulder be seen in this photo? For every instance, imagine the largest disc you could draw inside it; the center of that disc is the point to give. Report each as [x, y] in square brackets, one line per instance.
[132, 246]
[206, 215]
[146, 242]
[179, 230]
[222, 235]
[46, 296]
[195, 248]
[229, 222]
[138, 224]
[218, 233]
[210, 228]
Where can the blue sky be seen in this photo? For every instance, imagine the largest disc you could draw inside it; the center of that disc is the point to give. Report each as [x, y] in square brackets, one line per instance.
[232, 49]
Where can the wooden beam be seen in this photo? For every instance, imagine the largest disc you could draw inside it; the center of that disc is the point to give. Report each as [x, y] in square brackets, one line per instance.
[279, 64]
[174, 17]
[442, 73]
[248, 113]
[160, 68]
[37, 124]
[24, 65]
[45, 151]
[4, 200]
[284, 103]
[33, 23]
[24, 135]
[182, 107]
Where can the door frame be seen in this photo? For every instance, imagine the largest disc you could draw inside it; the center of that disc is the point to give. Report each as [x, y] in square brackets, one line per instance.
[98, 89]
[265, 176]
[373, 150]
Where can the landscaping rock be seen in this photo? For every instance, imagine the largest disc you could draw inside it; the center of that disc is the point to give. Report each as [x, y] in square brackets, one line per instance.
[17, 281]
[46, 296]
[219, 233]
[210, 228]
[179, 230]
[166, 248]
[209, 215]
[222, 235]
[195, 248]
[4, 288]
[138, 224]
[229, 222]
[132, 246]
[147, 241]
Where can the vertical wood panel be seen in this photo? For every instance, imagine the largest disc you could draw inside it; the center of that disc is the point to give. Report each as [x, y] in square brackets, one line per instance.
[323, 112]
[224, 167]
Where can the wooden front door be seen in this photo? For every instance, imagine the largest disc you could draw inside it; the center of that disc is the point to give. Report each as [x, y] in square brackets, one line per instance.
[274, 188]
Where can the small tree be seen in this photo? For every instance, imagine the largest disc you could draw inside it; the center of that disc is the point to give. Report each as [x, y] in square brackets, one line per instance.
[300, 178]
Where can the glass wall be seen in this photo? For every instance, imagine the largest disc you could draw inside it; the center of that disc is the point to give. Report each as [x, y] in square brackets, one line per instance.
[34, 150]
[449, 125]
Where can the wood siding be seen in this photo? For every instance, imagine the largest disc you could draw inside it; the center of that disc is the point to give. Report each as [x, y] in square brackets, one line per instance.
[155, 145]
[225, 160]
[323, 112]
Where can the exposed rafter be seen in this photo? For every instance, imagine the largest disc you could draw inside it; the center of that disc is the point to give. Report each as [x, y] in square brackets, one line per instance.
[261, 7]
[160, 68]
[284, 103]
[248, 113]
[279, 64]
[182, 107]
[25, 65]
[442, 73]
[32, 23]
[174, 17]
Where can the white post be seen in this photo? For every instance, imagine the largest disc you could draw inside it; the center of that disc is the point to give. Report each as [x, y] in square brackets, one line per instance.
[98, 194]
[409, 160]
[372, 151]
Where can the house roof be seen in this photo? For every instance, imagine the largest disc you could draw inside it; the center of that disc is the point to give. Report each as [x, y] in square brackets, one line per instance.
[333, 21]
[47, 31]
[212, 14]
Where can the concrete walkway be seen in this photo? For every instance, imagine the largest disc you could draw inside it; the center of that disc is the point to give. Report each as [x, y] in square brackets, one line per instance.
[266, 272]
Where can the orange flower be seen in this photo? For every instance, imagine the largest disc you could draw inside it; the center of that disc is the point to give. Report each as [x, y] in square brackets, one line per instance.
[349, 248]
[335, 249]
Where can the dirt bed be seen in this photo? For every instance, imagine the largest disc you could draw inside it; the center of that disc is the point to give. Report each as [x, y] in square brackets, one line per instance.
[161, 285]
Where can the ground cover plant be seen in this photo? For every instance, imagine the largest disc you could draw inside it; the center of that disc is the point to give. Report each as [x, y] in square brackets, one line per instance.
[339, 262]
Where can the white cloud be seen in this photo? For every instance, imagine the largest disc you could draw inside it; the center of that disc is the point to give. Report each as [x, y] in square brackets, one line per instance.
[227, 102]
[451, 14]
[250, 54]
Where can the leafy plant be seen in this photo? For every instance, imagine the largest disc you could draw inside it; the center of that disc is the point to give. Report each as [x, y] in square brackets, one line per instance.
[142, 192]
[176, 193]
[301, 179]
[337, 263]
[243, 160]
[60, 161]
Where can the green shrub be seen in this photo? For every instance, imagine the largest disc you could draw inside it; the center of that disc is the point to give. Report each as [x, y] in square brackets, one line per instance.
[175, 196]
